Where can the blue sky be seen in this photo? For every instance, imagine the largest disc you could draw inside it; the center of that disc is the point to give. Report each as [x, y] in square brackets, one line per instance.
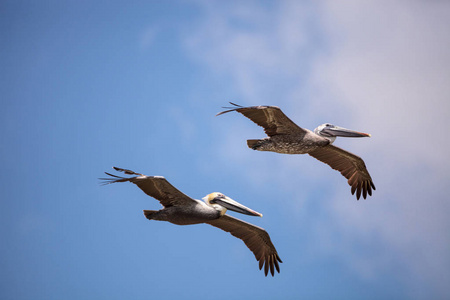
[87, 86]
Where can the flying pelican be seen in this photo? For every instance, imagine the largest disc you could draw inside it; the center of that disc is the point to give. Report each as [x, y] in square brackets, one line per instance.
[181, 209]
[284, 136]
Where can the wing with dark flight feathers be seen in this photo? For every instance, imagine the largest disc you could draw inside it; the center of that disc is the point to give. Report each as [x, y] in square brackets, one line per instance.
[271, 118]
[256, 239]
[351, 167]
[154, 186]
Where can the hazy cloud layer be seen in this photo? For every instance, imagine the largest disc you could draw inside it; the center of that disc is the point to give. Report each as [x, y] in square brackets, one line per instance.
[380, 67]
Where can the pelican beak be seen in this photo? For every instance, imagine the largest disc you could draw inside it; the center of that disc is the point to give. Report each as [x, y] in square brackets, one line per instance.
[344, 132]
[230, 204]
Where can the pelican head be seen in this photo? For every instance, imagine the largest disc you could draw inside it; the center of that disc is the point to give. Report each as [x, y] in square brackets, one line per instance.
[221, 202]
[331, 131]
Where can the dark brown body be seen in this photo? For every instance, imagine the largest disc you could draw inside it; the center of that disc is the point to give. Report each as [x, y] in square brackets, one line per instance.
[289, 144]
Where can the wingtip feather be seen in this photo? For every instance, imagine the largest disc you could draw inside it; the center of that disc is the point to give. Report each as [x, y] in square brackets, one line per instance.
[271, 263]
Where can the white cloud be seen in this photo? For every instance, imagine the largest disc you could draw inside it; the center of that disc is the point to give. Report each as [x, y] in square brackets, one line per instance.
[390, 69]
[376, 66]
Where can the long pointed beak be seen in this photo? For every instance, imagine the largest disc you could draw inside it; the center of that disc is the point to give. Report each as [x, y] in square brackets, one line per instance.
[344, 132]
[230, 204]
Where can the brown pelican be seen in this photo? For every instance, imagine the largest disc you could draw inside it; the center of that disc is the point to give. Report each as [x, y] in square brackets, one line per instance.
[181, 209]
[284, 136]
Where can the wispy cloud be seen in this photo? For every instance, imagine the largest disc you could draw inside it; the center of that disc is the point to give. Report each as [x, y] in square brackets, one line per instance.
[255, 45]
[380, 67]
[389, 69]
[147, 37]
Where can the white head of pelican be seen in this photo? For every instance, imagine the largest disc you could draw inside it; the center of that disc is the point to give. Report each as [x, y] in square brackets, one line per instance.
[221, 202]
[331, 131]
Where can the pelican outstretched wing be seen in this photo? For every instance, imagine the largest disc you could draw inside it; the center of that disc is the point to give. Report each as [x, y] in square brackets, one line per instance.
[351, 167]
[154, 186]
[256, 239]
[271, 118]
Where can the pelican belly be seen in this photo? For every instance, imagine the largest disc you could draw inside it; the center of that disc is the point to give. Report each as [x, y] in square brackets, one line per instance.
[288, 144]
[186, 215]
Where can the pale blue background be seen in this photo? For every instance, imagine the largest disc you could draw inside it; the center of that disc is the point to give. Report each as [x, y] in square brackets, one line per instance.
[89, 85]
